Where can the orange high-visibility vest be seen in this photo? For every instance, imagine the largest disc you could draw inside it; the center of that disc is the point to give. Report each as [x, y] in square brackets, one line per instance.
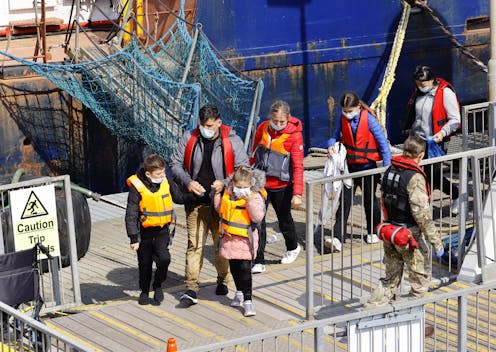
[155, 207]
[234, 216]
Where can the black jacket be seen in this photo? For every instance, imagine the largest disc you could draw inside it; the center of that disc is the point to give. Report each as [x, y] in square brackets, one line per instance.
[133, 225]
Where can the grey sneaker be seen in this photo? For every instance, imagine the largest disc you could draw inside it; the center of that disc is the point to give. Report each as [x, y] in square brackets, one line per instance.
[249, 311]
[237, 301]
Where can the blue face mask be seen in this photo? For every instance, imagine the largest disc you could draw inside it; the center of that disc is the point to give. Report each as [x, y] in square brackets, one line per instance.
[426, 90]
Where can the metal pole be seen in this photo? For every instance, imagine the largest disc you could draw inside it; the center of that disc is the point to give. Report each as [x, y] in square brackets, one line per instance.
[72, 239]
[309, 248]
[253, 112]
[478, 219]
[462, 323]
[76, 43]
[462, 218]
[492, 61]
[43, 31]
[318, 339]
[190, 54]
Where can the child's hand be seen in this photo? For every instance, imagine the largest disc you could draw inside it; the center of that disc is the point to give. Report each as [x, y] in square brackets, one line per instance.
[134, 246]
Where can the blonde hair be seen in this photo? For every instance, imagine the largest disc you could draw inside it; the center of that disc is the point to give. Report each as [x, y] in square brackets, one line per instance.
[280, 106]
[243, 174]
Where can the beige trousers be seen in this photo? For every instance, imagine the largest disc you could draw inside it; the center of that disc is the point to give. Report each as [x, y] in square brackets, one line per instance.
[199, 221]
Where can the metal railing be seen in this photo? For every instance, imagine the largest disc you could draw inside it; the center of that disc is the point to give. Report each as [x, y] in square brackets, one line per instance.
[19, 332]
[355, 270]
[59, 287]
[477, 129]
[458, 321]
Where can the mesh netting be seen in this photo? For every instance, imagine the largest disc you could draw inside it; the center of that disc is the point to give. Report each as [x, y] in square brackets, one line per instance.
[153, 96]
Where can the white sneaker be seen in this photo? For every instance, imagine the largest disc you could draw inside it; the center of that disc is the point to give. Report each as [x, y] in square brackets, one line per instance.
[290, 256]
[258, 269]
[249, 311]
[334, 244]
[372, 238]
[237, 301]
[455, 206]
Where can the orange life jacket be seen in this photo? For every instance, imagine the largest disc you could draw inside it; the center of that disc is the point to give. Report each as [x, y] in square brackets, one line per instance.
[271, 155]
[155, 207]
[363, 148]
[234, 215]
[226, 148]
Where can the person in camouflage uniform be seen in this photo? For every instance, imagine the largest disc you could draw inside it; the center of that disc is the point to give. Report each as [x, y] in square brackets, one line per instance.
[406, 202]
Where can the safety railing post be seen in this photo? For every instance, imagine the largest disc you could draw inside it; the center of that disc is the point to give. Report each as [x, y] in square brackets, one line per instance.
[318, 337]
[309, 249]
[462, 323]
[72, 239]
[478, 218]
[462, 217]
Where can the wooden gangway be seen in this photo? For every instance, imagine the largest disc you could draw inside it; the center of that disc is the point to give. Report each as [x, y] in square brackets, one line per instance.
[112, 320]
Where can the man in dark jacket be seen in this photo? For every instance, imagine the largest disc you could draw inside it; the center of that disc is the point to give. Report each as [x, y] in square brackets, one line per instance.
[203, 159]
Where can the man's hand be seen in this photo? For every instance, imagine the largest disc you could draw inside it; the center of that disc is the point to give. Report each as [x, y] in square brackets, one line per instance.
[196, 188]
[134, 246]
[296, 202]
[218, 186]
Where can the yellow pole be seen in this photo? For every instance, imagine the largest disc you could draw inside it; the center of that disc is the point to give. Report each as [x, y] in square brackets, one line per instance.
[140, 17]
[127, 23]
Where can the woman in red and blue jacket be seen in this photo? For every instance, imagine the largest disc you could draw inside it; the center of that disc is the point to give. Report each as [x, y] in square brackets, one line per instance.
[366, 144]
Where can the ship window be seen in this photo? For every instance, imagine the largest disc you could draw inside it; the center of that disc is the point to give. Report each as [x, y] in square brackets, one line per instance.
[477, 23]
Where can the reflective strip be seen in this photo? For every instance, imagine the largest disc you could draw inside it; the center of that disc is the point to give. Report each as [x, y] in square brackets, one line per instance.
[235, 224]
[363, 150]
[160, 213]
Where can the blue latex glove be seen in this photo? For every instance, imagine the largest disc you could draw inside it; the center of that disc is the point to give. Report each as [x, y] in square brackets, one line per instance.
[440, 253]
[430, 139]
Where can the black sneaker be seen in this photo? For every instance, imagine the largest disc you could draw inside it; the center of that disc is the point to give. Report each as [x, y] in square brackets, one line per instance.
[221, 290]
[158, 296]
[143, 299]
[189, 296]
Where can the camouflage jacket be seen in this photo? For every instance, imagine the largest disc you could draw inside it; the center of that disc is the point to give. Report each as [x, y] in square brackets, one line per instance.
[421, 210]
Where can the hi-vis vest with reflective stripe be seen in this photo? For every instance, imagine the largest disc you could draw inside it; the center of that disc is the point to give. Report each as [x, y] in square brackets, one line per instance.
[155, 207]
[234, 216]
[271, 156]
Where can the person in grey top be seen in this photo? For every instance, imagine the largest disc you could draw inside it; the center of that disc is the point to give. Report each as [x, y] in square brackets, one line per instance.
[434, 112]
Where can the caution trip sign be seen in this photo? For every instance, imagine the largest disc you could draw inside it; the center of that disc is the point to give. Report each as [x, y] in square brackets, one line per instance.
[34, 218]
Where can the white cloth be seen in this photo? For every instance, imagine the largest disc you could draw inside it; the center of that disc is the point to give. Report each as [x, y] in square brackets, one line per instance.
[335, 166]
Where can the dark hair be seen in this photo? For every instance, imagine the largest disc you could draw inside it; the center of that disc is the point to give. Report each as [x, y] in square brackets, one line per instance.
[351, 100]
[413, 146]
[423, 73]
[208, 112]
[153, 162]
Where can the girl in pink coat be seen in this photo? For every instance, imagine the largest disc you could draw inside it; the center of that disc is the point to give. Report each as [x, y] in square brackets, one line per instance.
[241, 207]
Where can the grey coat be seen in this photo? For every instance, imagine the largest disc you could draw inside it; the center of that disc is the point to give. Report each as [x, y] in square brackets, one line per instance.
[177, 161]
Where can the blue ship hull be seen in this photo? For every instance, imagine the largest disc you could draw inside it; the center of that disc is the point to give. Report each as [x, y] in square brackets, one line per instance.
[308, 51]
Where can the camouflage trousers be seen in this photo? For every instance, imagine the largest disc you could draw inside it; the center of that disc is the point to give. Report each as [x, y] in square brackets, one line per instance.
[417, 262]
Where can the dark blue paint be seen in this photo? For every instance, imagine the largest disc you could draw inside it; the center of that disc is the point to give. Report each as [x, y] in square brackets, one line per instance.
[309, 50]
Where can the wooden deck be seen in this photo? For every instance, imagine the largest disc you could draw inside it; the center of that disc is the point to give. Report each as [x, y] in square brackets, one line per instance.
[112, 320]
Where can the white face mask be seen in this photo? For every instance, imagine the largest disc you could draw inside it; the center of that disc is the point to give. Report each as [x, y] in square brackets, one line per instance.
[157, 180]
[277, 127]
[206, 133]
[351, 115]
[241, 192]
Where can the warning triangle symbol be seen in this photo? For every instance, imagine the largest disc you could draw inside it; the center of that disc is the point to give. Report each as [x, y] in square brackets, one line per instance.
[33, 207]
